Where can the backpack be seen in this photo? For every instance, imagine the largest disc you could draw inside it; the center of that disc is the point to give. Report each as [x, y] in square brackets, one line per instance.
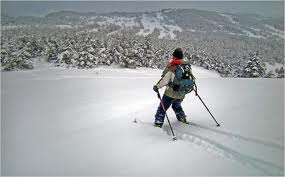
[182, 81]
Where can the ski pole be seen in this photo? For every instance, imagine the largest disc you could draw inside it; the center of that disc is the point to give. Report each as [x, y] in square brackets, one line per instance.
[173, 136]
[205, 105]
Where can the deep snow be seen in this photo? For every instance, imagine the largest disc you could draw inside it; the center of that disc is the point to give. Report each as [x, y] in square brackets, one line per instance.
[80, 122]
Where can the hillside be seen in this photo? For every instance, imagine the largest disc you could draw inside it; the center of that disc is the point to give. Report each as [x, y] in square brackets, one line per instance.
[218, 41]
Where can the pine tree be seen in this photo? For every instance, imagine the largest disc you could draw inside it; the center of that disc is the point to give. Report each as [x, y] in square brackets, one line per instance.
[253, 67]
[280, 73]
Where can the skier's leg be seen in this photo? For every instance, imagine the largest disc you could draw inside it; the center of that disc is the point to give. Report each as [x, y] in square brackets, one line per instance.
[177, 108]
[160, 113]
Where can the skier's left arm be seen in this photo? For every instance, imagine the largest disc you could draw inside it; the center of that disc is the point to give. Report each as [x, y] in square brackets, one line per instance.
[165, 79]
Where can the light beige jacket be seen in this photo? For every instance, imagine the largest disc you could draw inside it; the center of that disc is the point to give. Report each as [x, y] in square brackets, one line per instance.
[166, 78]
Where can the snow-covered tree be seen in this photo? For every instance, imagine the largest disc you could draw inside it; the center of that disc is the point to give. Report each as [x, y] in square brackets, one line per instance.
[215, 51]
[270, 74]
[253, 67]
[280, 72]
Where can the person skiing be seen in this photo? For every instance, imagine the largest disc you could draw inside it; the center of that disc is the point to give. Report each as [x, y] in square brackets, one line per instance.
[172, 96]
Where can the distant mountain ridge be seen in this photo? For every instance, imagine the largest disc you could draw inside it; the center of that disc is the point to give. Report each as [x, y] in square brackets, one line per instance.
[180, 20]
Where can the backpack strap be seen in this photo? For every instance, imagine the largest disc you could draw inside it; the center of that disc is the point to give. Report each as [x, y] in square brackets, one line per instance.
[173, 63]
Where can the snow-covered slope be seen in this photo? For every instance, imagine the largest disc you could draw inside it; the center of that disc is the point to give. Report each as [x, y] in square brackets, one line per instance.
[151, 23]
[80, 122]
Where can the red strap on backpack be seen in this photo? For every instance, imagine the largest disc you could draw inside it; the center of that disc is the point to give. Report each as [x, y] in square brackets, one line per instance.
[174, 62]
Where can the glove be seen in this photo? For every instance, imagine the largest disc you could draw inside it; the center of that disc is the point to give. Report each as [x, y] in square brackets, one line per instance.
[155, 88]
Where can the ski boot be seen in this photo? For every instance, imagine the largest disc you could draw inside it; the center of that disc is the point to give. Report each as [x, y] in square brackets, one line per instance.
[183, 120]
[158, 124]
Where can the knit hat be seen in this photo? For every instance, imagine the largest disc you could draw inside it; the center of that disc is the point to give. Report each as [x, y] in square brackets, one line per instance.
[178, 53]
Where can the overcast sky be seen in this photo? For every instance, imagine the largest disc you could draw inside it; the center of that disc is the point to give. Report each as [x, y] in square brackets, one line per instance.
[40, 8]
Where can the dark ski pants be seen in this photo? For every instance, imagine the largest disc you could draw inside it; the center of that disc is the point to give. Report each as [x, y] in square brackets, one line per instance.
[167, 102]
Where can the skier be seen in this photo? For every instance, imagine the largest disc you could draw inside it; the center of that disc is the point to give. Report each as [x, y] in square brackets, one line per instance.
[172, 96]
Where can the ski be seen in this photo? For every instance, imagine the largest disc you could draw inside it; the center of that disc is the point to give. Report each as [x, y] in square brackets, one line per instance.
[149, 123]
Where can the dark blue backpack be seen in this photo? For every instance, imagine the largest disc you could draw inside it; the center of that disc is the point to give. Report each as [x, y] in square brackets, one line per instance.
[182, 81]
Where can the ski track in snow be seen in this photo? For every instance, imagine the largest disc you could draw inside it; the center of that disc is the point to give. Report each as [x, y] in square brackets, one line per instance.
[228, 153]
[238, 137]
[185, 133]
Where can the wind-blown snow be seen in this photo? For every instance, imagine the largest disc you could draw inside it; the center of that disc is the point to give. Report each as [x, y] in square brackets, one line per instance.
[80, 122]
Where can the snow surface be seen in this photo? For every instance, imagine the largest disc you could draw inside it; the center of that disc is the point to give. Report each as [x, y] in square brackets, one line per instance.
[7, 27]
[64, 26]
[80, 122]
[150, 23]
[230, 18]
[250, 34]
[120, 21]
[246, 32]
[275, 31]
